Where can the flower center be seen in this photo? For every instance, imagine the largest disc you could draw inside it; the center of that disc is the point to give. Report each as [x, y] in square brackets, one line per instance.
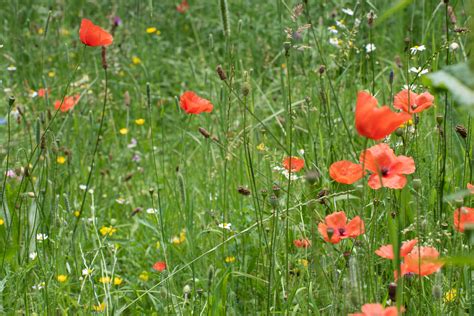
[342, 231]
[384, 171]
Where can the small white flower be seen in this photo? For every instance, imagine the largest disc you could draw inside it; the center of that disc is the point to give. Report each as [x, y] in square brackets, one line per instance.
[121, 201]
[369, 48]
[41, 237]
[11, 68]
[411, 87]
[357, 22]
[334, 41]
[286, 173]
[34, 94]
[86, 272]
[225, 225]
[418, 70]
[33, 255]
[151, 210]
[453, 46]
[333, 29]
[348, 11]
[417, 48]
[83, 187]
[301, 152]
[38, 286]
[341, 23]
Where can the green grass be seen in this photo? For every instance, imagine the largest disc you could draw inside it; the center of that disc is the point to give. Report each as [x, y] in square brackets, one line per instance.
[277, 100]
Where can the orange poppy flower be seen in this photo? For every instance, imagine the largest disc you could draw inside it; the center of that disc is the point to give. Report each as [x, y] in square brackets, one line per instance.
[293, 163]
[410, 102]
[377, 310]
[470, 187]
[93, 35]
[68, 104]
[182, 7]
[463, 216]
[386, 251]
[191, 103]
[42, 92]
[374, 122]
[159, 266]
[302, 243]
[335, 228]
[346, 172]
[387, 169]
[422, 261]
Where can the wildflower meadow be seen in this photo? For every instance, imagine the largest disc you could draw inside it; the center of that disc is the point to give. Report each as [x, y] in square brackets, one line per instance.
[237, 157]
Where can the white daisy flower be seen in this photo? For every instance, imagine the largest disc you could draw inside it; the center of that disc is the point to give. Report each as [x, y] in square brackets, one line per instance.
[11, 68]
[369, 48]
[334, 41]
[41, 237]
[417, 48]
[151, 210]
[33, 255]
[418, 70]
[348, 11]
[333, 29]
[225, 226]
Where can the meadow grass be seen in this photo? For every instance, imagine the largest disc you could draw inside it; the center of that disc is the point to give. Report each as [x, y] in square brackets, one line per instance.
[92, 198]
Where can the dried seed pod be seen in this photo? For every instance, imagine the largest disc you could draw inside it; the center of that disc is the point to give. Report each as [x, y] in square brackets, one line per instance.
[243, 190]
[221, 73]
[204, 132]
[461, 130]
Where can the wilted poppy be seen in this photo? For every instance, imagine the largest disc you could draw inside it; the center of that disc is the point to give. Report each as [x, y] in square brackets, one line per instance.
[387, 169]
[422, 261]
[374, 122]
[93, 35]
[302, 243]
[463, 216]
[191, 103]
[159, 266]
[293, 163]
[377, 310]
[68, 104]
[386, 251]
[346, 172]
[336, 227]
[182, 7]
[410, 102]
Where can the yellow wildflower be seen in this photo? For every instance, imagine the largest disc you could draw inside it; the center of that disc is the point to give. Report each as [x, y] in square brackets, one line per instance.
[99, 308]
[143, 276]
[136, 60]
[157, 245]
[118, 281]
[140, 121]
[2, 221]
[229, 259]
[77, 213]
[123, 131]
[104, 279]
[303, 262]
[62, 278]
[107, 230]
[450, 296]
[158, 32]
[261, 147]
[151, 30]
[51, 74]
[283, 66]
[61, 160]
[40, 31]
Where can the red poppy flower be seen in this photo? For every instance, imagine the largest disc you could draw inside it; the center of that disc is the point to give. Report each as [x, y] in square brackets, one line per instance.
[42, 92]
[93, 35]
[302, 243]
[386, 251]
[463, 216]
[335, 228]
[68, 104]
[387, 169]
[182, 7]
[470, 187]
[377, 310]
[346, 172]
[293, 163]
[410, 102]
[422, 261]
[374, 122]
[191, 103]
[159, 266]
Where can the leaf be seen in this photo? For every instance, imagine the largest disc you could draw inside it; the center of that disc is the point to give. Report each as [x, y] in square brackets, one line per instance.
[400, 5]
[458, 79]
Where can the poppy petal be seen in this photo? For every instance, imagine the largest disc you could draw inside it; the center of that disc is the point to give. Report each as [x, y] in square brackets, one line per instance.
[394, 181]
[93, 35]
[404, 165]
[385, 251]
[336, 220]
[346, 172]
[377, 157]
[355, 227]
[407, 247]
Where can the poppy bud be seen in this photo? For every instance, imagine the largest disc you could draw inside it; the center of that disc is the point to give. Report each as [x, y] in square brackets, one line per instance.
[312, 176]
[243, 190]
[321, 69]
[104, 59]
[11, 100]
[437, 292]
[392, 291]
[459, 202]
[151, 191]
[287, 46]
[439, 119]
[322, 196]
[417, 184]
[126, 99]
[390, 76]
[264, 193]
[273, 200]
[398, 61]
[399, 132]
[461, 130]
[204, 132]
[221, 73]
[245, 89]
